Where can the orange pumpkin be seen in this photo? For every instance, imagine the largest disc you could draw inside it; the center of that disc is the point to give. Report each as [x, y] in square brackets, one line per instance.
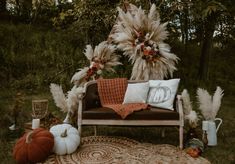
[34, 146]
[193, 152]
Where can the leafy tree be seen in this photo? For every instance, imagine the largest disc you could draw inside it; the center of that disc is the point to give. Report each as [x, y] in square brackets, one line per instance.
[211, 12]
[3, 11]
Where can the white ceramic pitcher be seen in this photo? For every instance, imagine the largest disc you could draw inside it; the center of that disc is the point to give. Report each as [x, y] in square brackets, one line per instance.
[210, 128]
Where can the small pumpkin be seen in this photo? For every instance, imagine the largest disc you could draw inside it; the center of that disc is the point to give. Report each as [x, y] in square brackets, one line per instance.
[194, 147]
[67, 139]
[193, 152]
[34, 146]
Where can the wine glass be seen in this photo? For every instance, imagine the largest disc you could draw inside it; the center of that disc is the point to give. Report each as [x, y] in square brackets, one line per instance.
[39, 108]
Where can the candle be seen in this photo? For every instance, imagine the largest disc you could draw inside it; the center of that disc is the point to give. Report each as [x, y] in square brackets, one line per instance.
[35, 123]
[205, 125]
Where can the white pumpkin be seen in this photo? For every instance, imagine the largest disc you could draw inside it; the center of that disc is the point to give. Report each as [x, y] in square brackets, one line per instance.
[66, 139]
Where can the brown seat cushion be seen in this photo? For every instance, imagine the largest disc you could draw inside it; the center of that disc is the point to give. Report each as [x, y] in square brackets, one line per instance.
[108, 114]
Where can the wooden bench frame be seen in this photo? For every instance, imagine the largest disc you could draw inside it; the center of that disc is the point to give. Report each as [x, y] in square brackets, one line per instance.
[179, 123]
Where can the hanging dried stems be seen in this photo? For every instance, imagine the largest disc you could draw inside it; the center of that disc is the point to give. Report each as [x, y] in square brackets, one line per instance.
[141, 36]
[209, 105]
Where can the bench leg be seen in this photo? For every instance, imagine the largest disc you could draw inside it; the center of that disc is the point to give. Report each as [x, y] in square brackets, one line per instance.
[181, 136]
[95, 130]
[163, 130]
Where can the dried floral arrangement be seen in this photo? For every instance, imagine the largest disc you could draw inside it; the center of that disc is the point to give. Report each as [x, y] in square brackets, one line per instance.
[141, 36]
[102, 58]
[209, 105]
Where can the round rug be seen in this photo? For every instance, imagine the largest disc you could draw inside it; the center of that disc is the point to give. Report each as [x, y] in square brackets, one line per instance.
[110, 150]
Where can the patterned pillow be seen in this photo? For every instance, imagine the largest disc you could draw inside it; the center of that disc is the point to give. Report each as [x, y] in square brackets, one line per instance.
[136, 93]
[162, 93]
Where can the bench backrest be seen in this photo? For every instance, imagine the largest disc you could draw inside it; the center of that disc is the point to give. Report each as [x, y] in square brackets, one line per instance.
[91, 98]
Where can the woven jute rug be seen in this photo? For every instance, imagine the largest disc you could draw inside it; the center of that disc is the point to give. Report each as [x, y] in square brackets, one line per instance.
[110, 150]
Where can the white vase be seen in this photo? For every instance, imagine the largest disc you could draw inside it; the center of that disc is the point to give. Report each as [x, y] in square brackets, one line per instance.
[211, 129]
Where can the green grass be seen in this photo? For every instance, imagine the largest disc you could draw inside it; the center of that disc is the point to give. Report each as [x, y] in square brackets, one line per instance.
[224, 152]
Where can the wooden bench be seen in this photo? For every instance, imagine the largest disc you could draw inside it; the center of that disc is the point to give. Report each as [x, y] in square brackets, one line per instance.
[90, 112]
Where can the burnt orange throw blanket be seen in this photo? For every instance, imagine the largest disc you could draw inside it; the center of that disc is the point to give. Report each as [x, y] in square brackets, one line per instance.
[112, 92]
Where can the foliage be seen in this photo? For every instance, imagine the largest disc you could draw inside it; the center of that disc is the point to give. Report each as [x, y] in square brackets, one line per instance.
[17, 107]
[34, 57]
[33, 54]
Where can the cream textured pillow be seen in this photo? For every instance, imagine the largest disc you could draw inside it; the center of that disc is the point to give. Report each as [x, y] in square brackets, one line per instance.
[162, 93]
[136, 93]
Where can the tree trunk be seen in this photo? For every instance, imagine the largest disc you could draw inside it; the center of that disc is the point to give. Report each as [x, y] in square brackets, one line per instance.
[209, 28]
[186, 38]
[26, 10]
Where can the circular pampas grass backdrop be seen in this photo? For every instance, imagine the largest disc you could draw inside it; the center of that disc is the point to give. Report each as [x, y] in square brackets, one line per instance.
[141, 37]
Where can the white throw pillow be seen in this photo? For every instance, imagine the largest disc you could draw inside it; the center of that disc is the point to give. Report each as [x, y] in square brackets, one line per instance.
[136, 93]
[162, 93]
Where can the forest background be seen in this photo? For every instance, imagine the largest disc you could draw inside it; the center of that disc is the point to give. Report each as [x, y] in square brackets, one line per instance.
[42, 42]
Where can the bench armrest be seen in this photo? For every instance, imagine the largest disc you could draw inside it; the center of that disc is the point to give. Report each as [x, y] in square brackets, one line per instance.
[81, 94]
[179, 108]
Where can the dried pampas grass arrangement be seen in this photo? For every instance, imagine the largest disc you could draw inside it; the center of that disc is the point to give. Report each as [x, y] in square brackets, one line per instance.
[187, 104]
[59, 97]
[209, 105]
[62, 101]
[102, 58]
[141, 36]
[190, 114]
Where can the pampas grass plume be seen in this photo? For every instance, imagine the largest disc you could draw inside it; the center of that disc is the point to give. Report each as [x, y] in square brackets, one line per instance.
[72, 99]
[216, 102]
[209, 105]
[59, 97]
[187, 105]
[193, 119]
